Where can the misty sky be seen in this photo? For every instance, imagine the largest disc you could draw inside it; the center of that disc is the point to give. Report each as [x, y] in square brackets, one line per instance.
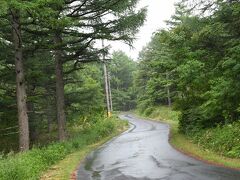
[158, 12]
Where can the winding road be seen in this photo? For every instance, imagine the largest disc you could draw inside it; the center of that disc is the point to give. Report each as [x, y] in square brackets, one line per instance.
[143, 153]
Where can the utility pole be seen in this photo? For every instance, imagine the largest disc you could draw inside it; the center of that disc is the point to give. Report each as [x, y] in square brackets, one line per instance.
[107, 83]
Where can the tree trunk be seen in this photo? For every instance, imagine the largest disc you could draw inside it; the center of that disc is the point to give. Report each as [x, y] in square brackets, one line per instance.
[168, 92]
[20, 83]
[61, 117]
[49, 121]
[49, 115]
[169, 98]
[33, 133]
[50, 110]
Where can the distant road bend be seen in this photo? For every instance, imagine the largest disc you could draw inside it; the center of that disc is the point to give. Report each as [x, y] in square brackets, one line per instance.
[143, 153]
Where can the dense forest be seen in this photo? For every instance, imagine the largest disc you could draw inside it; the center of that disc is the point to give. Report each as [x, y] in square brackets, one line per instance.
[194, 65]
[53, 76]
[122, 69]
[51, 64]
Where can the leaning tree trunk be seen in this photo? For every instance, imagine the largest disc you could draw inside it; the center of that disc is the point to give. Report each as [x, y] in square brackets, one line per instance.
[61, 117]
[20, 83]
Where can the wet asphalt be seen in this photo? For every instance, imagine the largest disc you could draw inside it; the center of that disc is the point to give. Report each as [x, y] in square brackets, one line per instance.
[143, 153]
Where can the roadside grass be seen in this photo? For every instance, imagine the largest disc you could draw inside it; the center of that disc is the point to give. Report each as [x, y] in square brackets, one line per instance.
[32, 164]
[184, 144]
[64, 168]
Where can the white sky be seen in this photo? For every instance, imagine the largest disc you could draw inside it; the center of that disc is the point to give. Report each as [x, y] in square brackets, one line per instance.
[158, 12]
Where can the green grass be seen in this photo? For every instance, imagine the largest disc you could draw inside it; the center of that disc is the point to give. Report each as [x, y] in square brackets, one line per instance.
[63, 169]
[32, 164]
[162, 112]
[184, 143]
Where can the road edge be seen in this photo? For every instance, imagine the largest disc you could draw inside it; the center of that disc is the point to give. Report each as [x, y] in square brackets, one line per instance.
[183, 151]
[73, 175]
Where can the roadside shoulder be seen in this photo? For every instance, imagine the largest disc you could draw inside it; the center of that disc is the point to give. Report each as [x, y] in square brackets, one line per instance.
[66, 168]
[186, 146]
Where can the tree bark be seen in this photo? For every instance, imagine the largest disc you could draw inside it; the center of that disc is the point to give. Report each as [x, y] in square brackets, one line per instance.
[169, 98]
[20, 83]
[33, 133]
[50, 111]
[60, 101]
[168, 92]
[49, 121]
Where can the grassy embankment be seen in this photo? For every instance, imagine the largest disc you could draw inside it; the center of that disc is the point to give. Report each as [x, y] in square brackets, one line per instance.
[58, 160]
[207, 145]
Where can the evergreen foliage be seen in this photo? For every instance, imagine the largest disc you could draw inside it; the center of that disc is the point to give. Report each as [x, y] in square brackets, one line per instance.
[122, 70]
[50, 42]
[200, 54]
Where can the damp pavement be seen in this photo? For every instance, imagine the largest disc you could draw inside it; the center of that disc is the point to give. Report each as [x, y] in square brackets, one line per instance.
[143, 153]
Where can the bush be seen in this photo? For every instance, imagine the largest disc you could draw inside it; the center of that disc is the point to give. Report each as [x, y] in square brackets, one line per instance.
[148, 111]
[160, 112]
[29, 165]
[190, 122]
[224, 140]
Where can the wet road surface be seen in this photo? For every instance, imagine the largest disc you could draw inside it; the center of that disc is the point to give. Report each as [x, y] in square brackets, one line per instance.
[143, 153]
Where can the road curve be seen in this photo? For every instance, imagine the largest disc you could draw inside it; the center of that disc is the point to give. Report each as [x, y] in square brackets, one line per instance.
[143, 153]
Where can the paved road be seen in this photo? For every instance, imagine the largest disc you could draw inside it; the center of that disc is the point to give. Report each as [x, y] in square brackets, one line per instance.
[143, 153]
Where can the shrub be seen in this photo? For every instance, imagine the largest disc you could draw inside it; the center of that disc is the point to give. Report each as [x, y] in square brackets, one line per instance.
[29, 165]
[160, 112]
[224, 140]
[149, 111]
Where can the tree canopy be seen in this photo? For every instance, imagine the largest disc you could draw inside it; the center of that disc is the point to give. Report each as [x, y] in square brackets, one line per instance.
[197, 58]
[47, 44]
[122, 70]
